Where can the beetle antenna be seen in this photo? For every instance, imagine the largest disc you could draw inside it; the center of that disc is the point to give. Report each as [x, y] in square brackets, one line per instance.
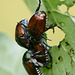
[38, 6]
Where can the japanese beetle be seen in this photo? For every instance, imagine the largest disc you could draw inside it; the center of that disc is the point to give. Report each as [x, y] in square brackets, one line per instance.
[29, 35]
[21, 34]
[31, 64]
[37, 24]
[44, 56]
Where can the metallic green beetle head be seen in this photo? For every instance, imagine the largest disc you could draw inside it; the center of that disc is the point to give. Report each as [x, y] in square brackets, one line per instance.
[27, 56]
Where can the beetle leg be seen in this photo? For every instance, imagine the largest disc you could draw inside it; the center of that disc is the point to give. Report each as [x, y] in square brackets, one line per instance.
[38, 52]
[38, 6]
[45, 38]
[50, 61]
[44, 64]
[38, 64]
[37, 56]
[38, 71]
[47, 44]
[52, 27]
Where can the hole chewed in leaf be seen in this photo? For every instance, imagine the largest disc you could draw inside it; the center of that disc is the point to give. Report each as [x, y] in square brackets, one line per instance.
[56, 37]
[60, 58]
[71, 10]
[63, 8]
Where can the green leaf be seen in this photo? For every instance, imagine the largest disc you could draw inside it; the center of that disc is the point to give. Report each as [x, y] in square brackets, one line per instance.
[10, 57]
[68, 3]
[64, 55]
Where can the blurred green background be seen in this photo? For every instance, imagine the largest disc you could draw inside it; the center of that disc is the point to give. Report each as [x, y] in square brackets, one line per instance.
[11, 12]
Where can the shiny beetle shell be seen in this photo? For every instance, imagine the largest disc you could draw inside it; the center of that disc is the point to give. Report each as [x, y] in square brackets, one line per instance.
[43, 51]
[37, 24]
[21, 33]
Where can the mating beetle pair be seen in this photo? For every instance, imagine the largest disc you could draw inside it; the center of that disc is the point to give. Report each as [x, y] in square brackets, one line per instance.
[37, 54]
[29, 35]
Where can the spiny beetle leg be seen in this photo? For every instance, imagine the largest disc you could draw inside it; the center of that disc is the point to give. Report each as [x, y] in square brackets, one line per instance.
[45, 38]
[48, 67]
[47, 44]
[50, 58]
[45, 65]
[52, 27]
[49, 61]
[38, 52]
[37, 56]
[38, 6]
